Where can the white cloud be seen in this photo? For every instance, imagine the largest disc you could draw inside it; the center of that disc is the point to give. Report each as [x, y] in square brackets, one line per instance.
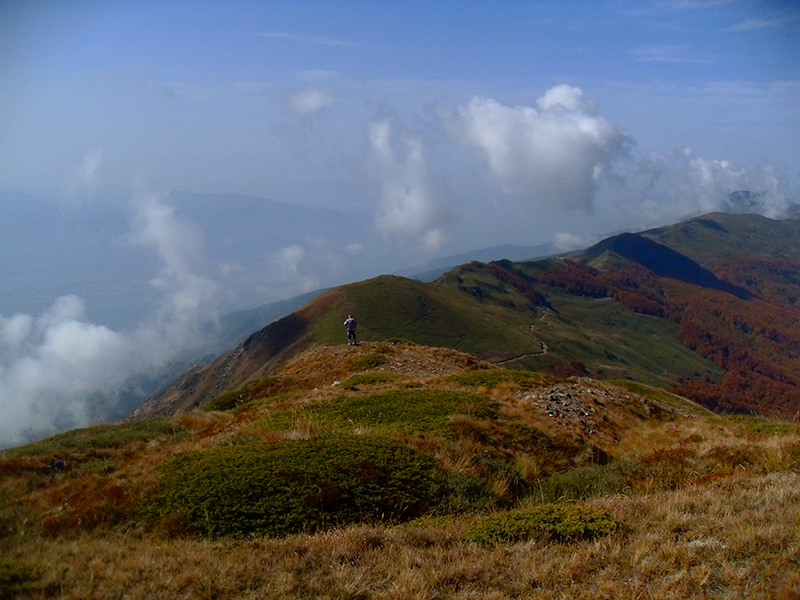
[310, 100]
[756, 24]
[290, 257]
[13, 331]
[406, 203]
[555, 153]
[566, 242]
[286, 273]
[50, 365]
[180, 246]
[433, 239]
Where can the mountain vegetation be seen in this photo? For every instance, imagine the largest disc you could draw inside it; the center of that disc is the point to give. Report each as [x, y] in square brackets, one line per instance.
[395, 470]
[616, 423]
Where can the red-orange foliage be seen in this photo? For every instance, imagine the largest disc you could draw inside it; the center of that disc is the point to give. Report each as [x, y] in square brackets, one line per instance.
[513, 279]
[756, 341]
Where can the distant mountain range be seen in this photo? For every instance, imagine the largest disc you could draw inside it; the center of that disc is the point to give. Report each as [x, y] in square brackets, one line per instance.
[434, 268]
[707, 307]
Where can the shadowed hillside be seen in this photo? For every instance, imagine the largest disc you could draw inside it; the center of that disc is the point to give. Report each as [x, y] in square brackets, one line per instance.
[661, 261]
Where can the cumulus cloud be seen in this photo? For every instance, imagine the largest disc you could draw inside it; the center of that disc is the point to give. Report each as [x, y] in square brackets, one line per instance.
[56, 367]
[554, 153]
[310, 100]
[406, 203]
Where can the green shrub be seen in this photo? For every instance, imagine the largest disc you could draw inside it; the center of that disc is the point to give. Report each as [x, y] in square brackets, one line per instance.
[367, 379]
[765, 425]
[409, 411]
[394, 341]
[226, 401]
[548, 522]
[288, 486]
[18, 577]
[588, 481]
[490, 378]
[464, 492]
[100, 466]
[263, 388]
[386, 347]
[368, 361]
[10, 515]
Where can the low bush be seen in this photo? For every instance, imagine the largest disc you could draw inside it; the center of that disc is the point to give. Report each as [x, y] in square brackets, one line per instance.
[490, 378]
[548, 522]
[408, 411]
[367, 379]
[765, 426]
[368, 361]
[226, 401]
[289, 486]
[263, 388]
[17, 577]
[10, 516]
[464, 492]
[587, 481]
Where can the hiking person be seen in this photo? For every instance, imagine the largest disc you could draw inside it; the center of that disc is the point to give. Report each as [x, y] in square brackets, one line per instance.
[350, 327]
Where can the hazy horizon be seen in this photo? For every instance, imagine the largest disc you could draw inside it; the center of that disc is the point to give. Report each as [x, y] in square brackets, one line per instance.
[439, 128]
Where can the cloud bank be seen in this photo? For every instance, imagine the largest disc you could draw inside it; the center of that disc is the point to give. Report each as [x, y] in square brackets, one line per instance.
[669, 186]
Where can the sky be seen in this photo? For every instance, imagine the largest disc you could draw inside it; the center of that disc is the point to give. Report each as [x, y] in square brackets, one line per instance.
[452, 125]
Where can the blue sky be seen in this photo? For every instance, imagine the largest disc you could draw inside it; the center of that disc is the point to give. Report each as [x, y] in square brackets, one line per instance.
[275, 98]
[447, 125]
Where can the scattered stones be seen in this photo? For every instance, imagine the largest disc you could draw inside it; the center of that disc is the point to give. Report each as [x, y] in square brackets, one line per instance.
[589, 407]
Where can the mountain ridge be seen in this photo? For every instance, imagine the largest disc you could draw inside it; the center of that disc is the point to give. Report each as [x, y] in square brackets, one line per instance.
[568, 317]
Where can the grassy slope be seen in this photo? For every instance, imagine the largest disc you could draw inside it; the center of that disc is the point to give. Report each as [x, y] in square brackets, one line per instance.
[386, 307]
[609, 339]
[708, 504]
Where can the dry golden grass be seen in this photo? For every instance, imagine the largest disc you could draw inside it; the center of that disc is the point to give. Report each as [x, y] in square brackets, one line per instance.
[735, 538]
